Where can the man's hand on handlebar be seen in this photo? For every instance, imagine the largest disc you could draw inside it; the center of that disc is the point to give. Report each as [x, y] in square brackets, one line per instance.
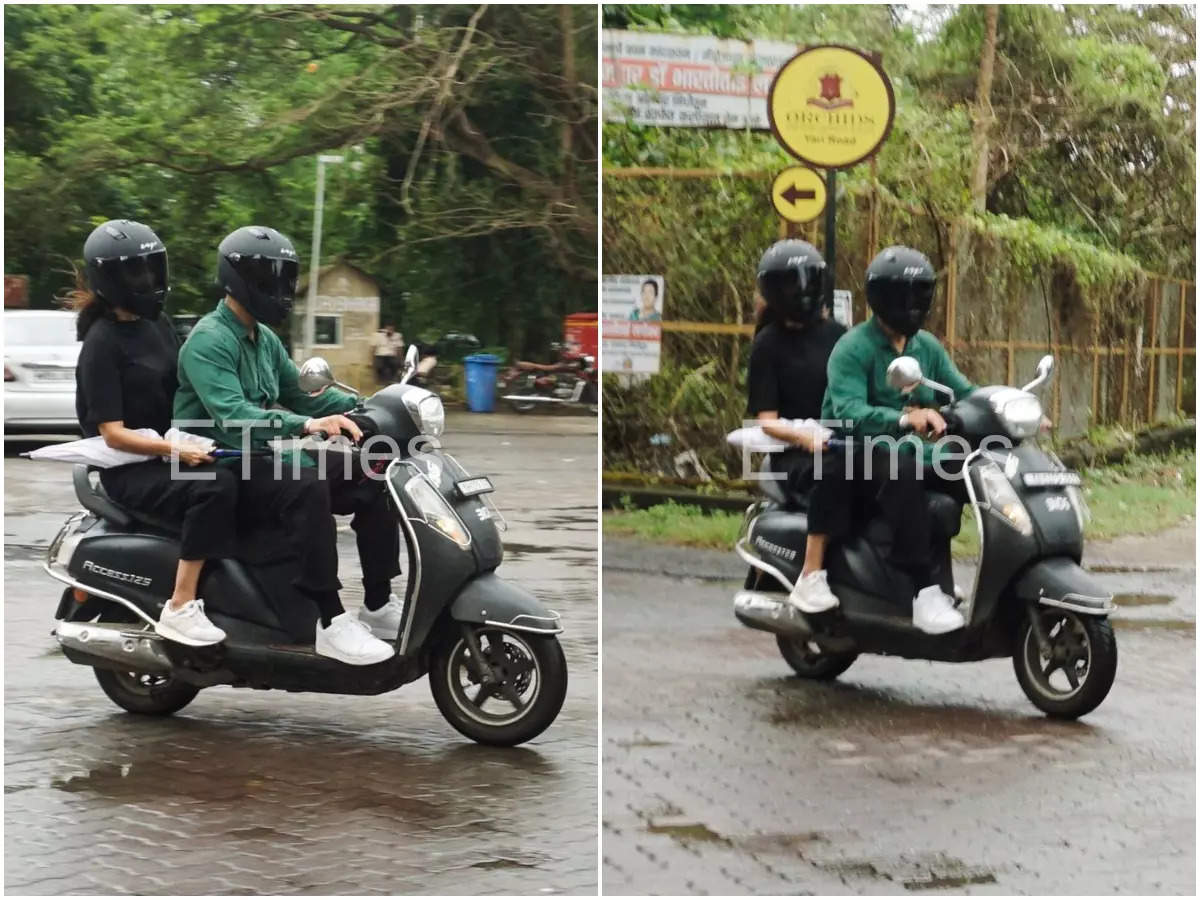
[332, 425]
[926, 422]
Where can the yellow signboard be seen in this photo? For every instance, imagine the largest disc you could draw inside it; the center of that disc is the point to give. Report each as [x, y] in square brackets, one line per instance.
[831, 106]
[798, 194]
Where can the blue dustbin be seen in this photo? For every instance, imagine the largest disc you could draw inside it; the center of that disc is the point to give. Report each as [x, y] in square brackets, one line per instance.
[480, 371]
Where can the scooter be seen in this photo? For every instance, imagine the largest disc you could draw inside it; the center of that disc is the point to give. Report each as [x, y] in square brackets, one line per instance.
[572, 380]
[495, 665]
[1031, 600]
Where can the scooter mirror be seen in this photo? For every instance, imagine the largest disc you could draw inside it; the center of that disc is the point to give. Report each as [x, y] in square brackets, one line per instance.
[904, 373]
[315, 375]
[1044, 367]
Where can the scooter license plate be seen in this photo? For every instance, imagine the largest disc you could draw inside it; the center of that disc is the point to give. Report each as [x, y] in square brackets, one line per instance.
[1051, 479]
[473, 487]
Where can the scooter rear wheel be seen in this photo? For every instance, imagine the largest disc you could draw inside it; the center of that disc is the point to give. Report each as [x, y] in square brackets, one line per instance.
[809, 661]
[145, 694]
[1076, 675]
[528, 667]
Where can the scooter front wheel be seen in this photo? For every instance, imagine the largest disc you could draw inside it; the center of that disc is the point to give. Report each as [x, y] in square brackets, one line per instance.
[507, 694]
[1074, 672]
[810, 661]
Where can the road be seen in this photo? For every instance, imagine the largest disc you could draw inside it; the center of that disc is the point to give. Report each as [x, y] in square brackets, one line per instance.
[262, 792]
[725, 774]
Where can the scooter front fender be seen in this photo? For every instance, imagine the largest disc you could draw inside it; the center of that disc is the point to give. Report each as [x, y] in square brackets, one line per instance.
[1059, 581]
[490, 600]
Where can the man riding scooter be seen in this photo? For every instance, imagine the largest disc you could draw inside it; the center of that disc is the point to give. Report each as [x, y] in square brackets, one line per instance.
[233, 370]
[899, 286]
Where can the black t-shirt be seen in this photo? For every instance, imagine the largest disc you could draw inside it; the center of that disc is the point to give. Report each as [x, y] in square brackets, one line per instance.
[127, 372]
[787, 369]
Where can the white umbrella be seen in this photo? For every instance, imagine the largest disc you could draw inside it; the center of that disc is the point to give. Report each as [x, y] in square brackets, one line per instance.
[95, 452]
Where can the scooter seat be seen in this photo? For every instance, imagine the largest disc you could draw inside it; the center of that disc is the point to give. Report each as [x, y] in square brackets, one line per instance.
[96, 500]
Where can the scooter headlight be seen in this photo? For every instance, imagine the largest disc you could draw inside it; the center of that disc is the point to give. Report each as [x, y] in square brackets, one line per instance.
[427, 411]
[436, 511]
[1003, 500]
[1019, 412]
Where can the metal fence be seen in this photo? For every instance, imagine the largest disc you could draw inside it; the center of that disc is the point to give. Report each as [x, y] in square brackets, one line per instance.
[1128, 362]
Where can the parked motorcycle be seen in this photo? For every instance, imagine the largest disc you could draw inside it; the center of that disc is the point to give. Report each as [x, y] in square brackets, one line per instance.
[495, 666]
[570, 380]
[1031, 600]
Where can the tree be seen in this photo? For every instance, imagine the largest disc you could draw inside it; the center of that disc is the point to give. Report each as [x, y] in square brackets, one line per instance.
[454, 121]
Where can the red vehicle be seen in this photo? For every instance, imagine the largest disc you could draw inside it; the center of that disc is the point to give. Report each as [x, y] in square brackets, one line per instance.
[571, 379]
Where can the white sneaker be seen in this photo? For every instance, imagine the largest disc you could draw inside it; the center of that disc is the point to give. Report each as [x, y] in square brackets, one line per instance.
[385, 621]
[350, 641]
[934, 612]
[812, 594]
[188, 625]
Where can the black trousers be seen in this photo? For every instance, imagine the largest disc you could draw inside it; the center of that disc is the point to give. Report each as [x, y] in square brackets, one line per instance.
[852, 481]
[205, 507]
[304, 504]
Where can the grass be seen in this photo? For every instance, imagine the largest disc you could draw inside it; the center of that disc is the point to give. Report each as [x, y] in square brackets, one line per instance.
[1143, 495]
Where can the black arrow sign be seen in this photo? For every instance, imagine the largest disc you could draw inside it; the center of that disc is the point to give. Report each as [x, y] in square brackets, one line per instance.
[793, 193]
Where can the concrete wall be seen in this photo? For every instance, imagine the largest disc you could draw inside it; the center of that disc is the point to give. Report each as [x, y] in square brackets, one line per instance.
[351, 296]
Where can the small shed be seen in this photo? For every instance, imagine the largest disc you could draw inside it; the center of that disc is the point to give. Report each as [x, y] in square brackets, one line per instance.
[345, 320]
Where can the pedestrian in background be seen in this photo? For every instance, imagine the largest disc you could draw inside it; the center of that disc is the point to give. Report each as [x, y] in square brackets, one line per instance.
[388, 347]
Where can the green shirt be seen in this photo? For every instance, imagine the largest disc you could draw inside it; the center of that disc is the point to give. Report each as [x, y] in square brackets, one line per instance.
[858, 391]
[227, 377]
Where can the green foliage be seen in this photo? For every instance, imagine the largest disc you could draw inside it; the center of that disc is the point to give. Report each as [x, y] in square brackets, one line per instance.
[200, 118]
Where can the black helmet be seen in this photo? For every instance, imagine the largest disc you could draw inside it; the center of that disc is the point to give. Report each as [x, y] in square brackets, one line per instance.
[900, 283]
[791, 279]
[127, 267]
[258, 267]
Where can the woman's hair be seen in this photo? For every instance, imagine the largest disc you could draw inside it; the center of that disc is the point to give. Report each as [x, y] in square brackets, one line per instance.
[89, 308]
[763, 314]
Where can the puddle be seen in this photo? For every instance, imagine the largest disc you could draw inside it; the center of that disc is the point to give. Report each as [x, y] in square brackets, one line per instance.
[94, 780]
[1109, 569]
[687, 832]
[928, 874]
[25, 551]
[504, 863]
[1155, 625]
[940, 882]
[1142, 599]
[518, 549]
[782, 842]
[641, 742]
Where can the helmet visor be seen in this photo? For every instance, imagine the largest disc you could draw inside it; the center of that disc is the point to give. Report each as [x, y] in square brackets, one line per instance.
[788, 285]
[920, 297]
[137, 276]
[269, 277]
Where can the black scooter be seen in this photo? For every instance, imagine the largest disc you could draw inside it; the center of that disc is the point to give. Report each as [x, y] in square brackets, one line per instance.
[495, 666]
[1031, 600]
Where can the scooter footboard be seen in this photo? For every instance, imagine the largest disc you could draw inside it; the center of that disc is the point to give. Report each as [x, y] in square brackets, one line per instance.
[489, 600]
[1061, 582]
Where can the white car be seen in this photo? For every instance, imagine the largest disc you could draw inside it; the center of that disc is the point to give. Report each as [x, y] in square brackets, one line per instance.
[40, 353]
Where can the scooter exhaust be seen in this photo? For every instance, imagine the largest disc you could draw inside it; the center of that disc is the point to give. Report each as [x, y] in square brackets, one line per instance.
[769, 613]
[112, 646]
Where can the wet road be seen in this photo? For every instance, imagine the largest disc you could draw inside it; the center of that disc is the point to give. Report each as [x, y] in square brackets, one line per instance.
[263, 792]
[724, 774]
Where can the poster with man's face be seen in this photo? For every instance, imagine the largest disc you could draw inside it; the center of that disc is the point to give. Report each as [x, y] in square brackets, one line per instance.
[632, 309]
